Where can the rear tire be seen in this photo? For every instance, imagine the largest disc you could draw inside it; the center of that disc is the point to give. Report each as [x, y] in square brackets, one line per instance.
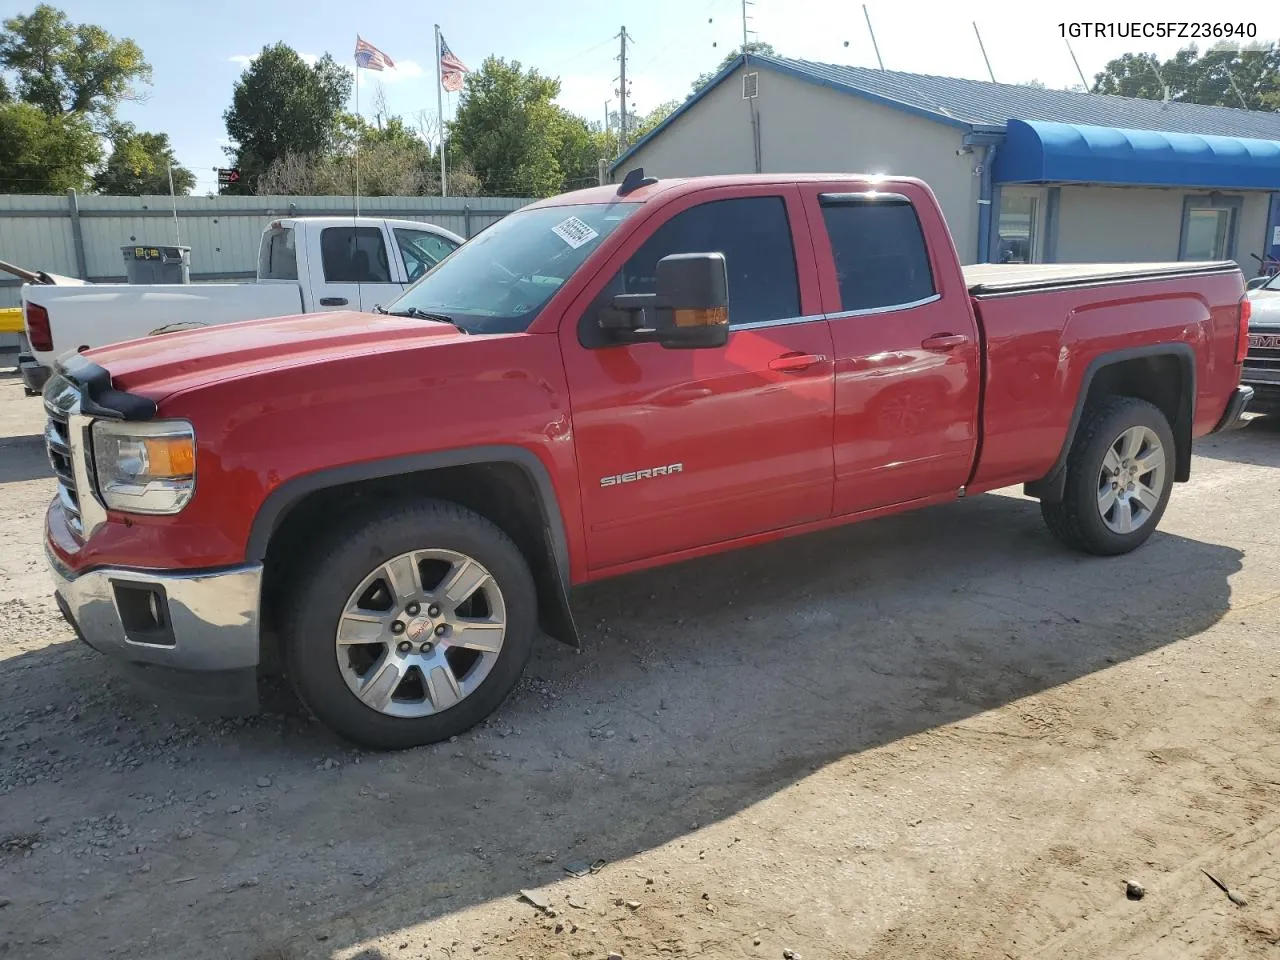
[411, 625]
[1119, 477]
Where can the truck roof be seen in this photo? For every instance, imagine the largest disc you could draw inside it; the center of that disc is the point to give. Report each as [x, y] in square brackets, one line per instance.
[363, 221]
[678, 185]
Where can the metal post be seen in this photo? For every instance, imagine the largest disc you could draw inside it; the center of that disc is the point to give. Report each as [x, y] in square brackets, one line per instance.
[357, 143]
[874, 45]
[622, 92]
[990, 72]
[173, 198]
[466, 221]
[444, 176]
[1083, 82]
[77, 235]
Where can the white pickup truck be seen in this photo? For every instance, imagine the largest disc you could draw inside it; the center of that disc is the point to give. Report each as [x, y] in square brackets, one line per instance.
[305, 265]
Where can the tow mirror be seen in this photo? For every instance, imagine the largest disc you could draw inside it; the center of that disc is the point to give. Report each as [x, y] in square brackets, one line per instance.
[690, 309]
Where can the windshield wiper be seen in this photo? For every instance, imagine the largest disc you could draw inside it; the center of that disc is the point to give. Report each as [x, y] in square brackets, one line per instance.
[418, 313]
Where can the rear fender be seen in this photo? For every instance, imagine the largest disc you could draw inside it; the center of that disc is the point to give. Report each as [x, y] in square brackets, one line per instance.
[1050, 487]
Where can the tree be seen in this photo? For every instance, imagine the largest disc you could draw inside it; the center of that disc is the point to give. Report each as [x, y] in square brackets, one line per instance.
[44, 154]
[1224, 76]
[139, 165]
[64, 68]
[653, 118]
[752, 47]
[282, 106]
[518, 142]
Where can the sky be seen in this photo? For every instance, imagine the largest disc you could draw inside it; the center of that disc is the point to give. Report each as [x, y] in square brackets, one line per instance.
[198, 50]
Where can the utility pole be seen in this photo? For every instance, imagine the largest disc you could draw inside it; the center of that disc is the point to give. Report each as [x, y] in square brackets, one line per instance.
[745, 4]
[623, 92]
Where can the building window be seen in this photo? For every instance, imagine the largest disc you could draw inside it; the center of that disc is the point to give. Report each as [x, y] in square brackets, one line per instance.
[1209, 226]
[1016, 230]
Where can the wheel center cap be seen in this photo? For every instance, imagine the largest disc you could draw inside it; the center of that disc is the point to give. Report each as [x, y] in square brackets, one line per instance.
[419, 629]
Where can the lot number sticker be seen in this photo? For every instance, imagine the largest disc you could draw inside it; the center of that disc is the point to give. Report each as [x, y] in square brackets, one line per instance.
[574, 232]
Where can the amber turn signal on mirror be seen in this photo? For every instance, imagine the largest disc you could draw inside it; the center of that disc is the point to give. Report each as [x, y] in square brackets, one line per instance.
[702, 317]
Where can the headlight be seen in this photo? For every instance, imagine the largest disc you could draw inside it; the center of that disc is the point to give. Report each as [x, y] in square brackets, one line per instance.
[145, 467]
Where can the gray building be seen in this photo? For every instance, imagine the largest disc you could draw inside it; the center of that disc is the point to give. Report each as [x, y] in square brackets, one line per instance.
[1023, 174]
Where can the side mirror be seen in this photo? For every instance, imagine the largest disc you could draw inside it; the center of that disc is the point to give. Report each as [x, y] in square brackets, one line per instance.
[690, 309]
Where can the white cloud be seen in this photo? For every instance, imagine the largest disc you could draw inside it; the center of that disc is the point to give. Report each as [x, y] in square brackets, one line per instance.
[311, 59]
[241, 58]
[405, 70]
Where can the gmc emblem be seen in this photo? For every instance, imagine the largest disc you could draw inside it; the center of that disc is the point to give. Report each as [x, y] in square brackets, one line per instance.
[1265, 341]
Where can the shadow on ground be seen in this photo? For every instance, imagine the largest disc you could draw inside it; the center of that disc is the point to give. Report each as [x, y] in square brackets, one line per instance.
[1257, 442]
[703, 688]
[23, 458]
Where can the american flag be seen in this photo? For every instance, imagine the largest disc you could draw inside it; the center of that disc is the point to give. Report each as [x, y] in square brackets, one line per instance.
[451, 68]
[370, 57]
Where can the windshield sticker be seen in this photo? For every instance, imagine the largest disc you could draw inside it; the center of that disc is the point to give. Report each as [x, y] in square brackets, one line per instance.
[574, 232]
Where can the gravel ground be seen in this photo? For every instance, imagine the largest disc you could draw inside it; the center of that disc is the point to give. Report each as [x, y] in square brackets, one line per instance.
[933, 735]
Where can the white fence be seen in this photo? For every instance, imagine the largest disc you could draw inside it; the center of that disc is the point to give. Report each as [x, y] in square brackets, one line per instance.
[81, 236]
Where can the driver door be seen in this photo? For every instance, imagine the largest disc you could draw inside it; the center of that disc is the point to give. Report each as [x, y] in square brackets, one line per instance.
[421, 250]
[681, 449]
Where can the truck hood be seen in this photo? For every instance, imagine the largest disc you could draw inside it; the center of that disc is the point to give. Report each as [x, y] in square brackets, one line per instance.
[1265, 307]
[159, 366]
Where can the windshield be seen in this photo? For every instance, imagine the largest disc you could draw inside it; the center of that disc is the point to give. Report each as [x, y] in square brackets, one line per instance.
[1273, 283]
[499, 280]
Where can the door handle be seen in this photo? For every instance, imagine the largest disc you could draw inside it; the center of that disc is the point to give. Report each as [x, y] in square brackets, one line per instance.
[795, 362]
[944, 341]
[333, 301]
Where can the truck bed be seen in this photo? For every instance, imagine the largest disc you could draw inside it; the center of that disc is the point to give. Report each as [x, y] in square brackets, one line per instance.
[995, 279]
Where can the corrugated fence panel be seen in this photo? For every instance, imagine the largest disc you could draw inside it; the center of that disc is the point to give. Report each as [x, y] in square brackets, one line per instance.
[222, 232]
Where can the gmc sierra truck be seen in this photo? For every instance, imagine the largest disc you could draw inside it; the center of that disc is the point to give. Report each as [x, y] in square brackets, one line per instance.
[389, 505]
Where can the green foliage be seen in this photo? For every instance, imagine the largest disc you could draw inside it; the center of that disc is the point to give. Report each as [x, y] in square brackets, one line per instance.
[281, 106]
[763, 49]
[44, 154]
[139, 165]
[1223, 76]
[516, 140]
[63, 67]
[653, 118]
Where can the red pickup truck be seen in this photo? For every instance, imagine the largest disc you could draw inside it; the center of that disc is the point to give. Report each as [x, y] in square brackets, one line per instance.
[390, 505]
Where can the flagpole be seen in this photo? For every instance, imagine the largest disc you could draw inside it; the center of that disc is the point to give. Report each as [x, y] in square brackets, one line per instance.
[444, 177]
[357, 136]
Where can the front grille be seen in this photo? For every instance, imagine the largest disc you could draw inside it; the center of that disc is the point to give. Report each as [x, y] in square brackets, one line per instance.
[57, 438]
[1263, 356]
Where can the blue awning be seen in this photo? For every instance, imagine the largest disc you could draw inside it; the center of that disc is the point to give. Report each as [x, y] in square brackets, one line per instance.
[1036, 152]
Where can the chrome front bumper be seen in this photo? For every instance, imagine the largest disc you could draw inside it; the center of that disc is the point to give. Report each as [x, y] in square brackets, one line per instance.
[193, 634]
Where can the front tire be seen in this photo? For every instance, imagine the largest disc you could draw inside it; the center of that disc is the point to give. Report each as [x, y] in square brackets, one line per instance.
[1119, 477]
[412, 625]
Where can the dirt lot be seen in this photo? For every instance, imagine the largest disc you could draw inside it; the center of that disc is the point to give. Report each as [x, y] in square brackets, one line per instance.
[938, 735]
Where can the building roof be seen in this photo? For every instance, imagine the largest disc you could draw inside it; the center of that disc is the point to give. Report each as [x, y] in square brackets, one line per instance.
[983, 106]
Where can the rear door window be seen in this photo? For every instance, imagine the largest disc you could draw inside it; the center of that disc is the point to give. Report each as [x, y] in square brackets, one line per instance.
[278, 257]
[880, 254]
[354, 255]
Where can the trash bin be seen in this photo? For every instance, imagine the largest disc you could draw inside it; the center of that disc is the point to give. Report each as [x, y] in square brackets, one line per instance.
[156, 264]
